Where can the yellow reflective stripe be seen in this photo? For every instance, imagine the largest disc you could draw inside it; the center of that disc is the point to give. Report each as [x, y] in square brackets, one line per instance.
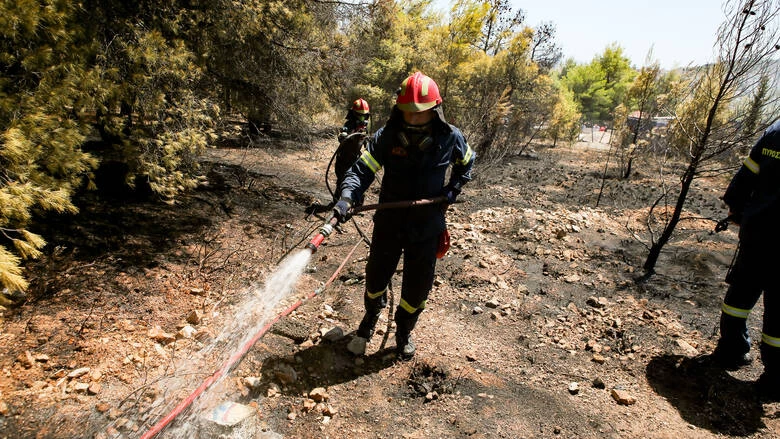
[403, 86]
[752, 165]
[735, 312]
[425, 81]
[467, 158]
[370, 161]
[409, 308]
[376, 295]
[771, 341]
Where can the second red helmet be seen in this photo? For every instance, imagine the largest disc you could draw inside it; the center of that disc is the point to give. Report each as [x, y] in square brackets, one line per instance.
[360, 106]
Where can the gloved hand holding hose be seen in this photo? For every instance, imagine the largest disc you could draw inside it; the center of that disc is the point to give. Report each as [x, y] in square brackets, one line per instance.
[342, 210]
[451, 193]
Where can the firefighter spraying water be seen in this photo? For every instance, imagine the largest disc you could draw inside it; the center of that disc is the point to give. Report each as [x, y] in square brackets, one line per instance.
[414, 149]
[278, 284]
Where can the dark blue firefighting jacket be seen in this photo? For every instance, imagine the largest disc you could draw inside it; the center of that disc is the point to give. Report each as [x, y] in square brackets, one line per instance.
[753, 195]
[411, 173]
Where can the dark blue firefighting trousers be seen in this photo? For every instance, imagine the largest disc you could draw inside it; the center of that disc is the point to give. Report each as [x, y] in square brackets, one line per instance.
[749, 278]
[419, 265]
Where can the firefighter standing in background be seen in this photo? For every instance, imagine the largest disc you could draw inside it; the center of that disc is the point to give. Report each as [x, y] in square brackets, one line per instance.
[753, 197]
[414, 148]
[358, 119]
[351, 139]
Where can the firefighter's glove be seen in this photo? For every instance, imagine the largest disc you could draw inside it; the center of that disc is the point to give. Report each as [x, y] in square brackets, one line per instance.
[722, 225]
[733, 218]
[342, 210]
[451, 192]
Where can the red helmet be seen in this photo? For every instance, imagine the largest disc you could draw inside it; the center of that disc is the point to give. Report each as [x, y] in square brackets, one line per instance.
[360, 106]
[418, 93]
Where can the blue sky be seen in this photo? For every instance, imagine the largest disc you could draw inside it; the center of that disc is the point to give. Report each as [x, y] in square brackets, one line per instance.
[679, 31]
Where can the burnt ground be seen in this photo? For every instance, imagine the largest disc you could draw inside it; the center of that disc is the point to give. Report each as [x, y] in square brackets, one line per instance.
[536, 327]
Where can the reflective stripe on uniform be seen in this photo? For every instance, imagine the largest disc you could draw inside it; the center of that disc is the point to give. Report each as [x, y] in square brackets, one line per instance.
[752, 165]
[771, 341]
[370, 161]
[409, 308]
[466, 158]
[735, 312]
[376, 295]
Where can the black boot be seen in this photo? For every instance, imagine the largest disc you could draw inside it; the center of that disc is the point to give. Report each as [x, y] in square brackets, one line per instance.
[733, 347]
[404, 348]
[367, 325]
[366, 329]
[405, 322]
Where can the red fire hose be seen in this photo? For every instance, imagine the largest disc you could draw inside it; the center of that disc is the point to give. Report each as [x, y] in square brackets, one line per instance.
[325, 231]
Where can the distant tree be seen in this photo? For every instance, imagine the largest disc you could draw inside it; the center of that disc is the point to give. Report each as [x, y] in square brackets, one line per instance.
[564, 123]
[534, 101]
[377, 53]
[707, 122]
[588, 85]
[600, 86]
[390, 41]
[503, 100]
[270, 60]
[615, 65]
[641, 97]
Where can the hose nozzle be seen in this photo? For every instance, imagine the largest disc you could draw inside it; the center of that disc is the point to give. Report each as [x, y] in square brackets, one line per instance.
[325, 231]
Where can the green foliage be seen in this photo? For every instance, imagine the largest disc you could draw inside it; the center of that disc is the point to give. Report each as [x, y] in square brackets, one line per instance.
[589, 86]
[391, 46]
[271, 60]
[10, 271]
[41, 89]
[69, 71]
[696, 111]
[601, 85]
[564, 121]
[161, 126]
[457, 43]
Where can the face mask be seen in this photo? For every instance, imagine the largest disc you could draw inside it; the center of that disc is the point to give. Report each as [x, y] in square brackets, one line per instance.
[417, 136]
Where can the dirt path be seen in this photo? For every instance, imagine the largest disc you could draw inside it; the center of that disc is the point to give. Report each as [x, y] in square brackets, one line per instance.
[535, 327]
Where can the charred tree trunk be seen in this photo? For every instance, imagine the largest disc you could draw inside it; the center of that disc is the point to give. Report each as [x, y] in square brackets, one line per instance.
[655, 250]
[685, 182]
